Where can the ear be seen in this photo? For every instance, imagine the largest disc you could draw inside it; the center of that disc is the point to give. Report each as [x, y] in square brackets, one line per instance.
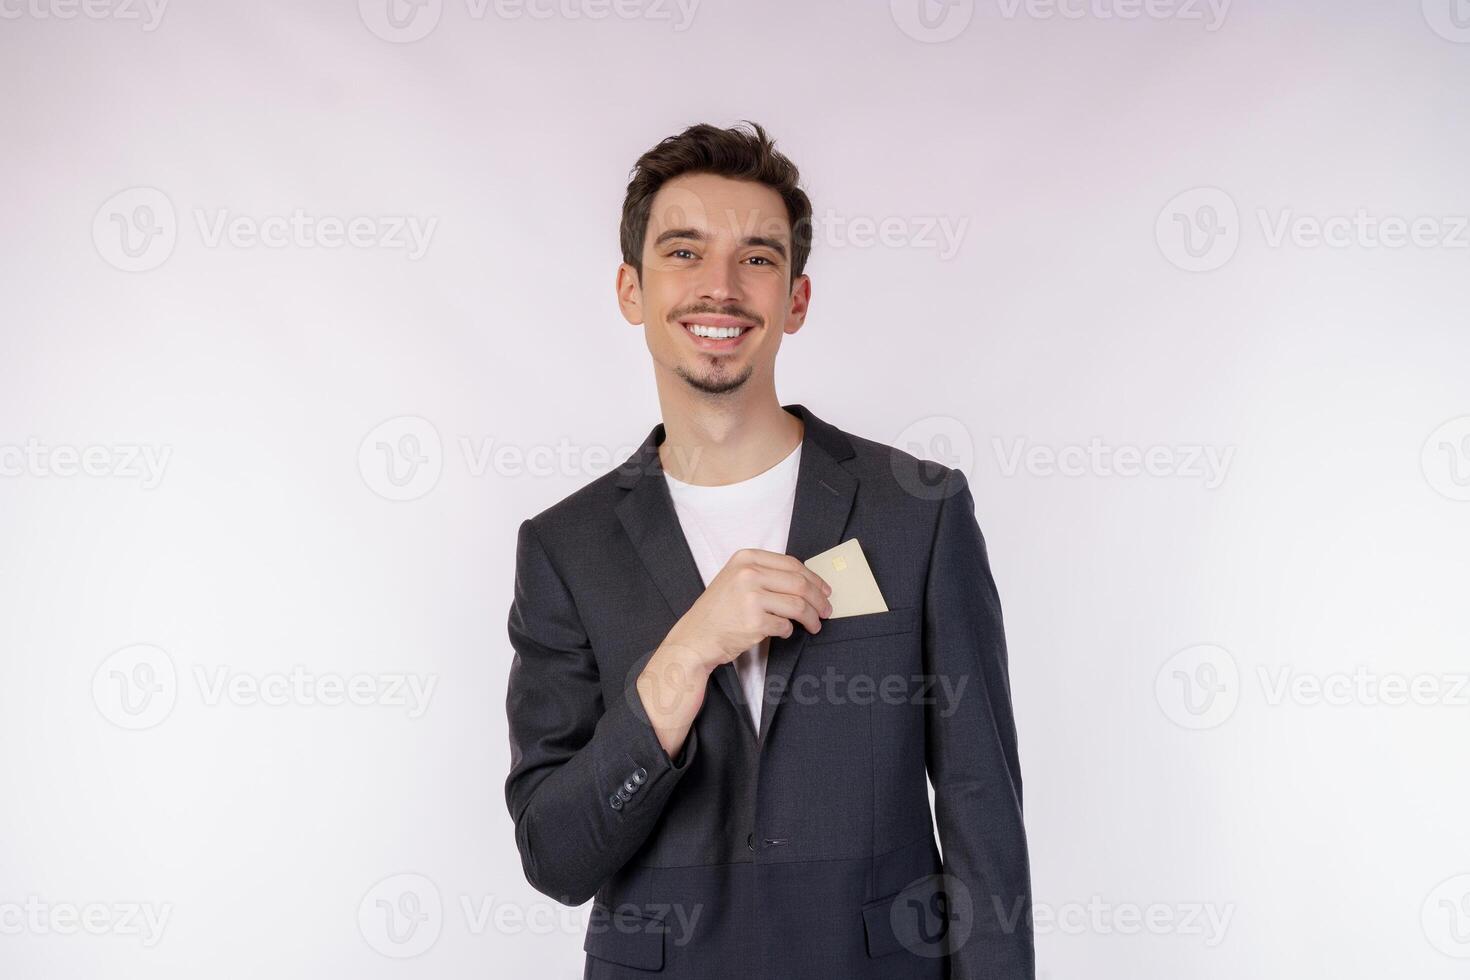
[630, 294]
[801, 299]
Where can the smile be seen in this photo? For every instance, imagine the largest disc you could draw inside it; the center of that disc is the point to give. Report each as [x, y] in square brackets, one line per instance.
[725, 335]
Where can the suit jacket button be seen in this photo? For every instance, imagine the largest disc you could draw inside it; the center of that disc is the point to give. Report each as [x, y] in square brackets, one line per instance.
[615, 802]
[630, 786]
[750, 841]
[640, 775]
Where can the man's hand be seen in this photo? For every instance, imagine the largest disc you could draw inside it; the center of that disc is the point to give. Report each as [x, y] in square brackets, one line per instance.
[757, 594]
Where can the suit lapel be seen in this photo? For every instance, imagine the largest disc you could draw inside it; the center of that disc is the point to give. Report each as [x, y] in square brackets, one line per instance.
[824, 495]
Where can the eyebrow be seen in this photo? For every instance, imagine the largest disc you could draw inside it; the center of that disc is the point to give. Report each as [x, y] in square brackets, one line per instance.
[695, 235]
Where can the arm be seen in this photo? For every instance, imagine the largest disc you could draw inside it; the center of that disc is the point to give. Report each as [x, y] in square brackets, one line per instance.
[570, 751]
[971, 748]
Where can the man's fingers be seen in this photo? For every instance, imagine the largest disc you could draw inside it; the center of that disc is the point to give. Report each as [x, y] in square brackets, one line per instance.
[795, 607]
[786, 563]
[801, 586]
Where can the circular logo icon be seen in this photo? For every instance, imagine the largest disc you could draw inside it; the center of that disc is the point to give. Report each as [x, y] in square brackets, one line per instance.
[135, 230]
[940, 438]
[401, 21]
[933, 916]
[1450, 19]
[932, 21]
[136, 687]
[1445, 459]
[402, 458]
[1199, 687]
[1446, 917]
[401, 916]
[1199, 230]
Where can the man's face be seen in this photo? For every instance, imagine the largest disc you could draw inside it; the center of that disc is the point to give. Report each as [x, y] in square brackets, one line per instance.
[716, 293]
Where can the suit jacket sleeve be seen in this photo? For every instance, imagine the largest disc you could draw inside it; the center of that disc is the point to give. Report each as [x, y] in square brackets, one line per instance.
[571, 751]
[971, 750]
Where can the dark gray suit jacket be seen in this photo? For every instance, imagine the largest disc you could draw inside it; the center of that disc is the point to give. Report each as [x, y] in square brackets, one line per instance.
[806, 849]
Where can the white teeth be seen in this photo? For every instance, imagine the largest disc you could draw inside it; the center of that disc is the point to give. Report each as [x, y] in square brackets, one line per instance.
[713, 333]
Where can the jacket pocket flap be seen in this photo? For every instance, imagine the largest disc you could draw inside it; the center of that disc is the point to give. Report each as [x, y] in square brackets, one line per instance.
[901, 620]
[625, 937]
[915, 919]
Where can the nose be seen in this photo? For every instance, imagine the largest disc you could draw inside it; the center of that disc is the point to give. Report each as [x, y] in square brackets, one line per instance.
[718, 282]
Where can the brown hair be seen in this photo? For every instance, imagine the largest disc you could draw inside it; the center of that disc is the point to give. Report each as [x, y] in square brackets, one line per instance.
[737, 153]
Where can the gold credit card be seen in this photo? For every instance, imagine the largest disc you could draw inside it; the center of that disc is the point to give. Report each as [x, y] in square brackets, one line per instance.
[854, 590]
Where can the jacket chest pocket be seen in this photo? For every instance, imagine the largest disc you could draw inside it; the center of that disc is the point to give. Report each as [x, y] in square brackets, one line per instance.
[904, 619]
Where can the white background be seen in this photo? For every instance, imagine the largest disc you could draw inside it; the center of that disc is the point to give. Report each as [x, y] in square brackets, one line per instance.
[1152, 618]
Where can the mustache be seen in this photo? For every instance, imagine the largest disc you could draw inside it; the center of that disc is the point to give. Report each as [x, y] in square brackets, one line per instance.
[735, 311]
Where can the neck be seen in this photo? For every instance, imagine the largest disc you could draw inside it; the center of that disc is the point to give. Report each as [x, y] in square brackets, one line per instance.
[713, 440]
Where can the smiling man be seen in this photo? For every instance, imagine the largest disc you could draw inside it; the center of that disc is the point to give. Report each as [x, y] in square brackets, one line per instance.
[723, 748]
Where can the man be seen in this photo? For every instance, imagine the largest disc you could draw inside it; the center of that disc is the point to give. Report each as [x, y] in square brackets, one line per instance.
[774, 823]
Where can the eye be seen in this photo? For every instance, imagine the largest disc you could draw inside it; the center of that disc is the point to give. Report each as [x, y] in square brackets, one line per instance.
[680, 252]
[761, 258]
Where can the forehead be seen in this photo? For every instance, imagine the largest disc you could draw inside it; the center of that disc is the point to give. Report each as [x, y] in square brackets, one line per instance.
[720, 207]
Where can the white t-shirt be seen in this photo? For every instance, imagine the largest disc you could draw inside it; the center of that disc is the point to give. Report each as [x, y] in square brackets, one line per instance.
[719, 521]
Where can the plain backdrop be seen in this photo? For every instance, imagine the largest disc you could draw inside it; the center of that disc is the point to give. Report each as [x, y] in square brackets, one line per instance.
[1181, 287]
